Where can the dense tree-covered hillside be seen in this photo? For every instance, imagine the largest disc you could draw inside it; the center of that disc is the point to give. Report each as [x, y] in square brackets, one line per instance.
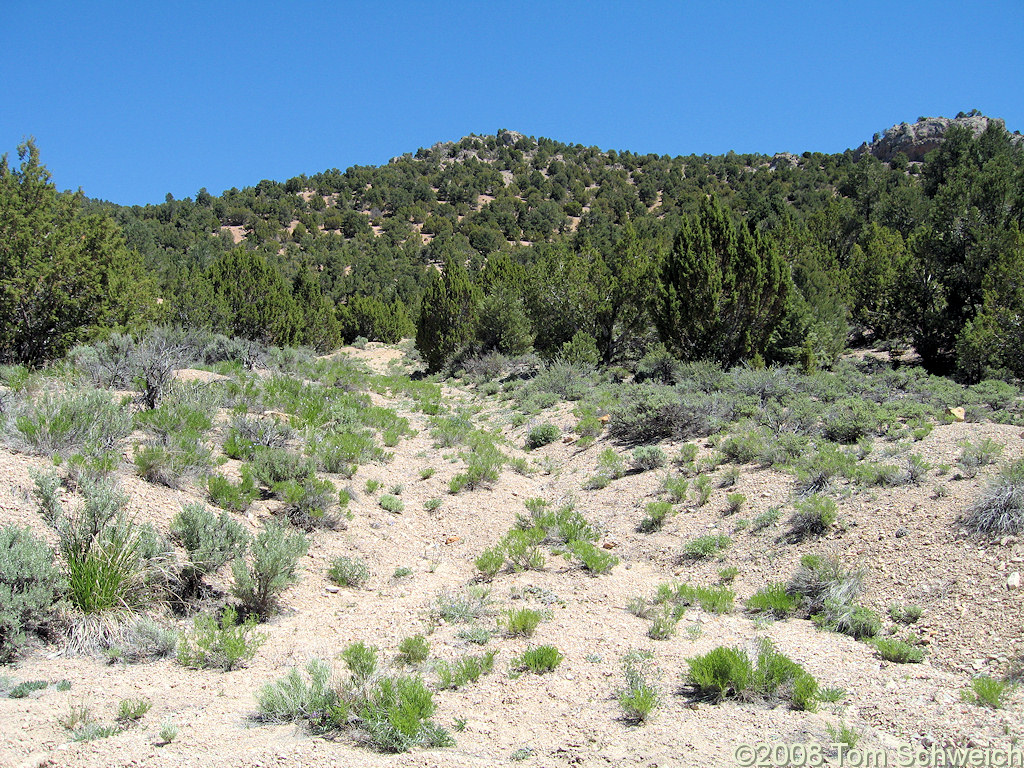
[728, 258]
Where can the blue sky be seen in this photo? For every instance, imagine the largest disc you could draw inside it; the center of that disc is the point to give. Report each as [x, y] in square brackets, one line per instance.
[132, 100]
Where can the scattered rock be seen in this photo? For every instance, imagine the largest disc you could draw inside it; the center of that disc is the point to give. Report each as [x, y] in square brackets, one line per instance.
[453, 540]
[1013, 580]
[958, 414]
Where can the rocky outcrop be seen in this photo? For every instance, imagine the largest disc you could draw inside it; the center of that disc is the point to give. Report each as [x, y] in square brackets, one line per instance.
[915, 140]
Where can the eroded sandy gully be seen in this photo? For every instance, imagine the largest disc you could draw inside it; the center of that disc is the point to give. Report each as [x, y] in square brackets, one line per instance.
[905, 538]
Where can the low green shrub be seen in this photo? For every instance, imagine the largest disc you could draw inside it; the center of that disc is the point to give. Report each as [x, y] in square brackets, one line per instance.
[29, 583]
[521, 622]
[540, 659]
[814, 516]
[222, 643]
[542, 435]
[275, 555]
[210, 541]
[646, 458]
[898, 651]
[468, 669]
[348, 572]
[706, 546]
[595, 560]
[657, 511]
[986, 691]
[235, 497]
[773, 600]
[640, 696]
[413, 650]
[133, 710]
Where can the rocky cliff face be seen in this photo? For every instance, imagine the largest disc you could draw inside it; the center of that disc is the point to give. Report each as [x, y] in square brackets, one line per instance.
[915, 140]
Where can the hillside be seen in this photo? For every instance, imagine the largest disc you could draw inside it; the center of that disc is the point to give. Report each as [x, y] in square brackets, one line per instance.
[879, 445]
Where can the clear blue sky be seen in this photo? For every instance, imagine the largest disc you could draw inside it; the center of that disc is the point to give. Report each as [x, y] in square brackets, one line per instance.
[132, 100]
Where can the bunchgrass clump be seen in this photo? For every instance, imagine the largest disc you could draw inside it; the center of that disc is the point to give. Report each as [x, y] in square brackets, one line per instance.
[348, 572]
[905, 614]
[706, 546]
[774, 601]
[521, 622]
[1000, 509]
[539, 660]
[986, 691]
[898, 651]
[468, 669]
[730, 673]
[413, 650]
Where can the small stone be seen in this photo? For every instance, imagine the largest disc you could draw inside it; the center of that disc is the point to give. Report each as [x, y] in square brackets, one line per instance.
[332, 589]
[978, 664]
[1013, 580]
[958, 414]
[452, 540]
[609, 545]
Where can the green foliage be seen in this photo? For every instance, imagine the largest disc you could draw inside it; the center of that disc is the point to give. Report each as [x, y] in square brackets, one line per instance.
[66, 274]
[657, 511]
[107, 557]
[292, 699]
[647, 457]
[905, 614]
[235, 497]
[468, 669]
[539, 660]
[274, 557]
[447, 315]
[490, 562]
[706, 546]
[220, 643]
[640, 696]
[986, 691]
[88, 422]
[391, 503]
[521, 622]
[21, 690]
[463, 606]
[132, 710]
[348, 572]
[254, 299]
[722, 291]
[720, 673]
[361, 661]
[413, 650]
[595, 560]
[773, 600]
[210, 541]
[541, 435]
[28, 586]
[898, 651]
[814, 516]
[730, 673]
[396, 716]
